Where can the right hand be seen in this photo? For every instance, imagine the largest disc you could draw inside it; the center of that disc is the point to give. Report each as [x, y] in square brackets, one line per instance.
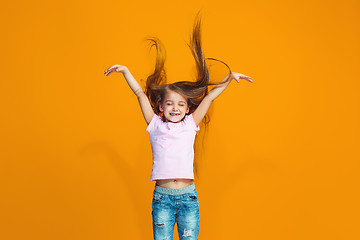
[115, 68]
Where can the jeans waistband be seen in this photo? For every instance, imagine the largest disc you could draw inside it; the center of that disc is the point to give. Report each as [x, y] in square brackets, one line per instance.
[170, 191]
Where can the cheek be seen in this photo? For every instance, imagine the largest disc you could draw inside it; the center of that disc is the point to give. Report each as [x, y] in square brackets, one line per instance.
[184, 109]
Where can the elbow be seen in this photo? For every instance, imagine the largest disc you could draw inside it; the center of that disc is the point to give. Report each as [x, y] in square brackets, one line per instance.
[210, 98]
[139, 92]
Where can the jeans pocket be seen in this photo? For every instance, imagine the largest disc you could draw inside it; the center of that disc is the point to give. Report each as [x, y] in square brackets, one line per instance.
[192, 196]
[158, 197]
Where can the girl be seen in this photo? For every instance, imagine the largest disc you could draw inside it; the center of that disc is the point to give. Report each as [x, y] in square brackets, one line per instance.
[173, 113]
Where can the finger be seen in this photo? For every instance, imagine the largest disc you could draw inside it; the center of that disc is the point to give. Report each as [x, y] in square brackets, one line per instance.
[110, 70]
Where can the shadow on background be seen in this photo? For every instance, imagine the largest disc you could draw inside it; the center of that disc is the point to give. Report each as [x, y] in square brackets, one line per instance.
[129, 175]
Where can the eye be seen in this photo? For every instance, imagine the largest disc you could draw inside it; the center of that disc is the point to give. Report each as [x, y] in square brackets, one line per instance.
[168, 104]
[182, 105]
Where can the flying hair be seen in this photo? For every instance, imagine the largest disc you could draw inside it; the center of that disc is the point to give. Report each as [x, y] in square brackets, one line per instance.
[156, 83]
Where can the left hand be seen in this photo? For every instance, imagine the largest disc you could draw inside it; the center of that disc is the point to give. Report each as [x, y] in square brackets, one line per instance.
[238, 76]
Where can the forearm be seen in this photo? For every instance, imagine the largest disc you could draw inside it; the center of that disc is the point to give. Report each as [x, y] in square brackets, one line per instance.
[133, 84]
[218, 89]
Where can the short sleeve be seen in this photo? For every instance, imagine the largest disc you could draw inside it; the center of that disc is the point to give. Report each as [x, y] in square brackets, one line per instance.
[153, 123]
[192, 123]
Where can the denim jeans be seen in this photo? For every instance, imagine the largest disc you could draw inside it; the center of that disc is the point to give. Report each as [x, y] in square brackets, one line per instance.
[175, 205]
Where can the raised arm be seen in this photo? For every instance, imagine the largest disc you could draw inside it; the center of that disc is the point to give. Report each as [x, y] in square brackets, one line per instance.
[204, 106]
[145, 105]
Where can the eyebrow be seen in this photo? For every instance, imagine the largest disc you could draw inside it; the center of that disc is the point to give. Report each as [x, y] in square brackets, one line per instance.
[172, 101]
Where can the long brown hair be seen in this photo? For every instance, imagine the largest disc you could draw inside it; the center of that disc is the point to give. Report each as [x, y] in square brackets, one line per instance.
[194, 92]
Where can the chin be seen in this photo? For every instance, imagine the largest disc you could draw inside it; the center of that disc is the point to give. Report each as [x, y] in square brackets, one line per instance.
[177, 119]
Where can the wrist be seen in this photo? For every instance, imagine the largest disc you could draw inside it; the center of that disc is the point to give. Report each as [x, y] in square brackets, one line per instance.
[125, 70]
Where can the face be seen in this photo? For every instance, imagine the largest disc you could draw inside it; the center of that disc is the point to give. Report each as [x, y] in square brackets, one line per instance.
[174, 107]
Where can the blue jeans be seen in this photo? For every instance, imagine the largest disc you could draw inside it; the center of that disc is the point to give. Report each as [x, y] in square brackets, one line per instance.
[180, 205]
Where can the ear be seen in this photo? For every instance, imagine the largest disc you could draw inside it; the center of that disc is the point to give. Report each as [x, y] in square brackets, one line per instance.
[188, 109]
[161, 107]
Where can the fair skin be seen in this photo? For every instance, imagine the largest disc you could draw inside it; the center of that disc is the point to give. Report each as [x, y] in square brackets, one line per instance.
[174, 107]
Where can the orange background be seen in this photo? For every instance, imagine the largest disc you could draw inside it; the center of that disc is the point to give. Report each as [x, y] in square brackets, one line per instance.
[281, 158]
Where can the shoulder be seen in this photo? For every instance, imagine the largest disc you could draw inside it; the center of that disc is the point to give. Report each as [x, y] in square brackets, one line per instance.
[189, 120]
[155, 121]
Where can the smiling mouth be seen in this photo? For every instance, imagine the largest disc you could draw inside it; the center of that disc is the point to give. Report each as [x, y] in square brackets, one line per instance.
[174, 114]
